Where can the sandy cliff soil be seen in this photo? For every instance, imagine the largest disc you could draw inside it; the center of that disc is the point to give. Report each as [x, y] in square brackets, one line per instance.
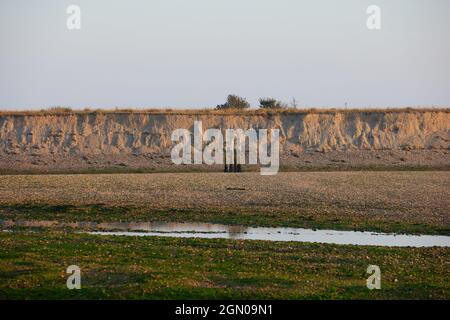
[123, 141]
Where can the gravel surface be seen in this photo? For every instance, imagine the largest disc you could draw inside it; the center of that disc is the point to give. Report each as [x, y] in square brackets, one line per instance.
[398, 197]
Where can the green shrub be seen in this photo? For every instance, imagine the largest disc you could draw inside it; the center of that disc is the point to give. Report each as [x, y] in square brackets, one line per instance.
[270, 103]
[234, 102]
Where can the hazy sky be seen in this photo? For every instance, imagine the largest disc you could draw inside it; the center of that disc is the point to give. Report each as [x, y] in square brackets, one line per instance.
[192, 53]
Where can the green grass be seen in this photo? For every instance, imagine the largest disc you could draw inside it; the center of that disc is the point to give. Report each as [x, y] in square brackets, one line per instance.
[245, 217]
[33, 264]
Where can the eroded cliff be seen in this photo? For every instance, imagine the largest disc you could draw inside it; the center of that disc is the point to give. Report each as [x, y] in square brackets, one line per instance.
[141, 140]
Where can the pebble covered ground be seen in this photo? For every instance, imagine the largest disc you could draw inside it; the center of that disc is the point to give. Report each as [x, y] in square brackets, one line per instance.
[389, 197]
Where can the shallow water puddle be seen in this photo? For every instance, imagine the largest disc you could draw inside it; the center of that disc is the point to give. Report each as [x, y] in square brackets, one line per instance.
[219, 231]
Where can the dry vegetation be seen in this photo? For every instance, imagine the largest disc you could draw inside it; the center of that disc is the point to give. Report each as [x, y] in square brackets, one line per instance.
[206, 111]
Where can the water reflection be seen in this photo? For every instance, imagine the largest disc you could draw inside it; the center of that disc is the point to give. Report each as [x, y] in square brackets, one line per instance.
[219, 231]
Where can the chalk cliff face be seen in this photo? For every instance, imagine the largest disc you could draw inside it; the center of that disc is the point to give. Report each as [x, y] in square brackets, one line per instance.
[109, 135]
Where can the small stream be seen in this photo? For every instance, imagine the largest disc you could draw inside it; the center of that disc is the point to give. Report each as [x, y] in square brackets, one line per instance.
[219, 231]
